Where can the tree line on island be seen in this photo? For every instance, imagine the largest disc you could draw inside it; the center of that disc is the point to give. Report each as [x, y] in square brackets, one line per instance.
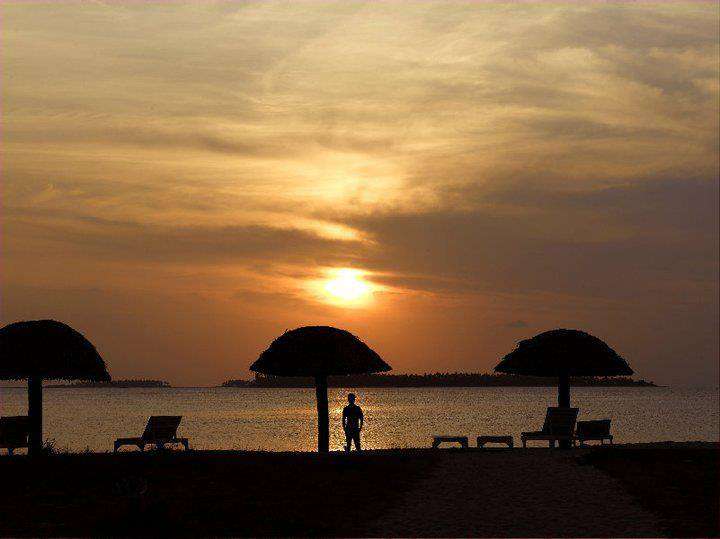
[438, 379]
[142, 382]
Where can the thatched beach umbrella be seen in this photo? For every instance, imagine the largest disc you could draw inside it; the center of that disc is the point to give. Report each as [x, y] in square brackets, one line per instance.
[563, 353]
[319, 351]
[46, 349]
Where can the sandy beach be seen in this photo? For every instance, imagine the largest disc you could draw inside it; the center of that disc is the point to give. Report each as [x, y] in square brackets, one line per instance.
[665, 489]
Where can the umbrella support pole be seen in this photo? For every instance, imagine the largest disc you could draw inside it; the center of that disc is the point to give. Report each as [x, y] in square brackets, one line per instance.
[564, 391]
[564, 401]
[321, 394]
[35, 414]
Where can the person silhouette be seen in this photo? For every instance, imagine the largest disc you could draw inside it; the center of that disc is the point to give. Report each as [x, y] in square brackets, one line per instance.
[352, 421]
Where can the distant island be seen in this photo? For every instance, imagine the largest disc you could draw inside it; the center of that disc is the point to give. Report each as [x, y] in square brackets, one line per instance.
[118, 383]
[438, 379]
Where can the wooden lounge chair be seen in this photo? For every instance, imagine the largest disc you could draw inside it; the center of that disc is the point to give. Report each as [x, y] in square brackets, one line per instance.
[14, 432]
[559, 425]
[598, 429]
[160, 430]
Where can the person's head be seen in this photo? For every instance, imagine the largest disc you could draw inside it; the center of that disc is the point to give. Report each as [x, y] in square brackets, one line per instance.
[351, 398]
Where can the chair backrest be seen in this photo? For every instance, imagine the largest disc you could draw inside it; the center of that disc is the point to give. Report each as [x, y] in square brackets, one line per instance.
[560, 421]
[161, 427]
[14, 431]
[593, 429]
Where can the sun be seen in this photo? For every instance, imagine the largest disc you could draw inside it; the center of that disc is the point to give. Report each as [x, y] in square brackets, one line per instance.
[347, 286]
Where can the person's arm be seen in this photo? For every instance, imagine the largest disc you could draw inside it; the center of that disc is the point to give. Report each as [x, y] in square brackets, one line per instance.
[362, 419]
[344, 417]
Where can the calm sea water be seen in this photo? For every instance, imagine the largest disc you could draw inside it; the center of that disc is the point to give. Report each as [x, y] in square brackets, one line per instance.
[284, 419]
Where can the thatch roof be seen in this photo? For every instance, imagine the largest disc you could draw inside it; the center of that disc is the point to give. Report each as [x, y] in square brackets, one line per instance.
[48, 349]
[564, 351]
[318, 350]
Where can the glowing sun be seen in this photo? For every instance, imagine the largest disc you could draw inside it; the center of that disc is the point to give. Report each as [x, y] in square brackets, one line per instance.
[347, 286]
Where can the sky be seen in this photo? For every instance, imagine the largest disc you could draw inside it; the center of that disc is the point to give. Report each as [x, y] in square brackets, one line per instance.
[183, 182]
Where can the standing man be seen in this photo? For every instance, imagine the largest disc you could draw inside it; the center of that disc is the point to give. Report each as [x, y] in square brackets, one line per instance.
[352, 421]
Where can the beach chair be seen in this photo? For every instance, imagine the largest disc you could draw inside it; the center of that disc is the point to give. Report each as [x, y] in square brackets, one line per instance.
[559, 425]
[598, 429]
[160, 430]
[14, 432]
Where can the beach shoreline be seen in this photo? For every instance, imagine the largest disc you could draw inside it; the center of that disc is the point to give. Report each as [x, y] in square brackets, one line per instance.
[627, 490]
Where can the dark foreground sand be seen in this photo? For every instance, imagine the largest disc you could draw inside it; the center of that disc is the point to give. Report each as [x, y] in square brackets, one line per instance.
[632, 490]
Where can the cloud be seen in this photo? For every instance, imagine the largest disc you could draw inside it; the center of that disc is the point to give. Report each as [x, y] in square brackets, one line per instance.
[616, 242]
[480, 160]
[128, 241]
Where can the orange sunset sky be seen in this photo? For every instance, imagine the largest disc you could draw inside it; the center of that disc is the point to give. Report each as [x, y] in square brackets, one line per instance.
[184, 181]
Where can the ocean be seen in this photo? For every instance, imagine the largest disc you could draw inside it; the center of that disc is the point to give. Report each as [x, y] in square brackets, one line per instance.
[285, 419]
